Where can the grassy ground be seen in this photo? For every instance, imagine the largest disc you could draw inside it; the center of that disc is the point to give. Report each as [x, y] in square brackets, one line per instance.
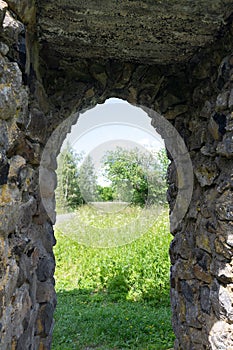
[113, 298]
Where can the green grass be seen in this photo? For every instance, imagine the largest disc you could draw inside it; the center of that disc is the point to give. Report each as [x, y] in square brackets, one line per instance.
[112, 298]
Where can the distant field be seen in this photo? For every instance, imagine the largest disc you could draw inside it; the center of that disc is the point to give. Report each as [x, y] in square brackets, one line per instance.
[112, 298]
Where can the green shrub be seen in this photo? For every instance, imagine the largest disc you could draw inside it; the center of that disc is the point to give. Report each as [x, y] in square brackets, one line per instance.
[137, 271]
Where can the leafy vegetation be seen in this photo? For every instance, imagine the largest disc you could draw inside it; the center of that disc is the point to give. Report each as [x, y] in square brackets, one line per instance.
[136, 176]
[68, 194]
[113, 299]
[132, 176]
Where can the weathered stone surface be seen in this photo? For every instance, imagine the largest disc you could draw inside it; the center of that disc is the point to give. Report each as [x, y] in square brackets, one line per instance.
[224, 206]
[16, 163]
[45, 321]
[174, 57]
[213, 128]
[4, 49]
[12, 93]
[45, 269]
[3, 8]
[45, 292]
[36, 125]
[3, 135]
[222, 101]
[162, 33]
[206, 173]
[12, 28]
[4, 168]
[222, 270]
[220, 335]
[205, 299]
[177, 110]
[225, 148]
[48, 182]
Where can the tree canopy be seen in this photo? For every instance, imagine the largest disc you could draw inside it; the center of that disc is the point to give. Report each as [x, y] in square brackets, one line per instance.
[131, 176]
[136, 176]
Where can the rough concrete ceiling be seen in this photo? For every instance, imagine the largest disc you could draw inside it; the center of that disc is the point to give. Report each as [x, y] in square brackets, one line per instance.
[149, 31]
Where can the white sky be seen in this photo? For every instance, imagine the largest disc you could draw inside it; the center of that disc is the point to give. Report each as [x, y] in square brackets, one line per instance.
[114, 123]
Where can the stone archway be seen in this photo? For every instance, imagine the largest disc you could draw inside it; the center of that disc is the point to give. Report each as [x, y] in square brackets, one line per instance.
[44, 88]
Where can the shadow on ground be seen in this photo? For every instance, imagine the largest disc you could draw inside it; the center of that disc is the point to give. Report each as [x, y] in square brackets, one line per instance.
[86, 319]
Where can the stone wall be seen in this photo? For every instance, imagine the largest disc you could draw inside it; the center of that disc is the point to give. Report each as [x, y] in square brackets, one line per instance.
[36, 99]
[27, 297]
[201, 252]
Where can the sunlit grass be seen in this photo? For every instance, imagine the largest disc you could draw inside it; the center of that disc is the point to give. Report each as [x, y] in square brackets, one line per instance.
[95, 228]
[113, 298]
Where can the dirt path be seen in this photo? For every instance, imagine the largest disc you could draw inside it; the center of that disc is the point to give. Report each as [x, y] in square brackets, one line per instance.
[64, 217]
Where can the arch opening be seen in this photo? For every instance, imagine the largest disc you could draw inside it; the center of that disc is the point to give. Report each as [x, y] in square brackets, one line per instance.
[119, 279]
[196, 97]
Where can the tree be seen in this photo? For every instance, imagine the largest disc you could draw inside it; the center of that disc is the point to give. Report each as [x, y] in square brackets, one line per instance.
[105, 193]
[87, 180]
[163, 162]
[68, 195]
[138, 175]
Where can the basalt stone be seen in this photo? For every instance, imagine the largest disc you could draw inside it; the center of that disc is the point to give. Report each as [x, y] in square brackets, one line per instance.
[187, 291]
[99, 73]
[177, 110]
[222, 248]
[206, 173]
[206, 110]
[16, 163]
[45, 320]
[36, 126]
[3, 135]
[3, 8]
[224, 206]
[45, 292]
[77, 56]
[220, 335]
[4, 49]
[225, 148]
[22, 305]
[230, 101]
[213, 128]
[12, 93]
[4, 168]
[201, 274]
[198, 338]
[45, 269]
[203, 259]
[205, 299]
[192, 315]
[8, 105]
[225, 301]
[222, 101]
[222, 270]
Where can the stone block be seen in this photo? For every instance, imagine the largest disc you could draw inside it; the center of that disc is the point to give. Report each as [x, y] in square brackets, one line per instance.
[22, 306]
[224, 206]
[45, 292]
[44, 323]
[206, 173]
[3, 8]
[205, 299]
[225, 148]
[4, 142]
[222, 270]
[16, 163]
[45, 269]
[222, 101]
[37, 125]
[4, 168]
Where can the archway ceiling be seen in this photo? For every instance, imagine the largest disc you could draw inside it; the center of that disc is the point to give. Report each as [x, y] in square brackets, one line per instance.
[149, 31]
